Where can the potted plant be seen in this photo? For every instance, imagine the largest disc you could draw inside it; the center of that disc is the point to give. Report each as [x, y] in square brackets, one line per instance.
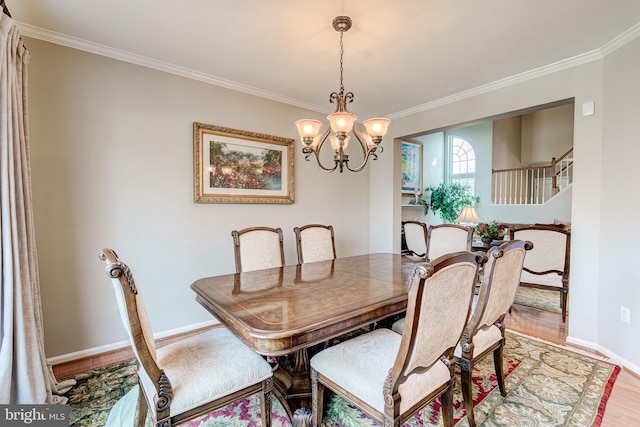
[449, 198]
[490, 231]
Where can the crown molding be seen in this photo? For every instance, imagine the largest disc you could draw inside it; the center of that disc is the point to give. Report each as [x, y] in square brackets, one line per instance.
[624, 38]
[121, 55]
[498, 84]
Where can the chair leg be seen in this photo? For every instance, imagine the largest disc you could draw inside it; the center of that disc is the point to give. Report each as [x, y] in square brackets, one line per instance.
[317, 399]
[142, 408]
[563, 304]
[497, 363]
[467, 392]
[446, 399]
[265, 405]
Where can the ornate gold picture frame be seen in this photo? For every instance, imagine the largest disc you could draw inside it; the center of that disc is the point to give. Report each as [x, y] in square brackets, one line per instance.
[237, 166]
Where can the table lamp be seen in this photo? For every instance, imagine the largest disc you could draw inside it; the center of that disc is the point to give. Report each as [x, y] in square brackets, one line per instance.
[468, 216]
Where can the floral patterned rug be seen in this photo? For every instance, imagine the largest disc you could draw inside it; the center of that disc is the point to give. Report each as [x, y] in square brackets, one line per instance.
[539, 298]
[547, 385]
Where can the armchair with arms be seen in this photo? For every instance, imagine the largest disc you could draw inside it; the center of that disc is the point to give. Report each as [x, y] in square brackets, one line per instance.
[547, 264]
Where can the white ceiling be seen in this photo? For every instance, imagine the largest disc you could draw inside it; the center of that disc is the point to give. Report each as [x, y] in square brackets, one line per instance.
[400, 56]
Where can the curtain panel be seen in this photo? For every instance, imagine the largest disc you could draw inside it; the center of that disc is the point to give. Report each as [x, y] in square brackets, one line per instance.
[25, 375]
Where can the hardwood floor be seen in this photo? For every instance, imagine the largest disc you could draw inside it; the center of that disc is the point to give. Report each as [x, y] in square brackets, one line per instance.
[623, 407]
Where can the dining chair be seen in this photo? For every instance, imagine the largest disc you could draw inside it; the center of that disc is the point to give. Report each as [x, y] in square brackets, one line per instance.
[547, 264]
[484, 333]
[315, 242]
[392, 376]
[189, 377]
[258, 248]
[447, 238]
[441, 240]
[415, 236]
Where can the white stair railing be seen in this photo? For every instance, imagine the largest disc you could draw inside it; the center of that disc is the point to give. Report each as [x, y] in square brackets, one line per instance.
[531, 185]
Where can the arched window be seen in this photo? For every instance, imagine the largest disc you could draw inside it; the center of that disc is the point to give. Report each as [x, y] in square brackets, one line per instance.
[462, 162]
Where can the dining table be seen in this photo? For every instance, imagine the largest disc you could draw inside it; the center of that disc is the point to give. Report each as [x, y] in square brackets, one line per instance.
[288, 313]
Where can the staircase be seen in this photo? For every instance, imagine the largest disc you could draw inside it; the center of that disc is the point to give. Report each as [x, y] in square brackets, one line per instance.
[532, 185]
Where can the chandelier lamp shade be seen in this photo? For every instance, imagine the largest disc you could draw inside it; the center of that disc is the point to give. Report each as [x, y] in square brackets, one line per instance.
[341, 123]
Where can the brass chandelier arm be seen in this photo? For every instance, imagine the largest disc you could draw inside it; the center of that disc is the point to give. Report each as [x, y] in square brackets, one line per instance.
[363, 142]
[370, 154]
[308, 150]
[341, 160]
[367, 150]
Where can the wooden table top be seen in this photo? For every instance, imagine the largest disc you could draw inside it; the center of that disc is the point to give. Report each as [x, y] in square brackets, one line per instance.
[278, 311]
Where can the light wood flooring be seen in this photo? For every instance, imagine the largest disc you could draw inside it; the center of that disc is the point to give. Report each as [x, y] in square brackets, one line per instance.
[623, 407]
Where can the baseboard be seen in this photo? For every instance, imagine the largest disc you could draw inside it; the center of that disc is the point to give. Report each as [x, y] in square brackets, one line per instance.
[635, 369]
[95, 351]
[621, 360]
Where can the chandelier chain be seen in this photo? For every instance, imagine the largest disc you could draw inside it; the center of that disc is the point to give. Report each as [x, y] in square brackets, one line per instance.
[341, 54]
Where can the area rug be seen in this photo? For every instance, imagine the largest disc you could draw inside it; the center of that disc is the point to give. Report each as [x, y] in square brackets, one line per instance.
[547, 385]
[538, 298]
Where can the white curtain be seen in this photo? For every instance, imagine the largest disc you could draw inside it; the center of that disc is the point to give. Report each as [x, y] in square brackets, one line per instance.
[25, 375]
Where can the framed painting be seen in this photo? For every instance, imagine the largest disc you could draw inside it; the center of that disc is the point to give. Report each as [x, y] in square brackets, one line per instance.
[237, 166]
[411, 167]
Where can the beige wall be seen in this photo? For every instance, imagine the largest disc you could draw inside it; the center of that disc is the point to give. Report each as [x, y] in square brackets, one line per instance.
[619, 237]
[112, 166]
[547, 133]
[507, 144]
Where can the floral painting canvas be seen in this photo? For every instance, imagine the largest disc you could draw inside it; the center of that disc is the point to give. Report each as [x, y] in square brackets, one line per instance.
[234, 166]
[243, 166]
[411, 167]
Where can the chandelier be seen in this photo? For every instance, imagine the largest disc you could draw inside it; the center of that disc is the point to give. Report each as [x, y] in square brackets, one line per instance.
[342, 123]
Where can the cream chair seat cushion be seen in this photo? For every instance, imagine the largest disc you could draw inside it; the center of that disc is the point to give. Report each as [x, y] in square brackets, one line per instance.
[398, 326]
[362, 364]
[208, 366]
[549, 279]
[485, 338]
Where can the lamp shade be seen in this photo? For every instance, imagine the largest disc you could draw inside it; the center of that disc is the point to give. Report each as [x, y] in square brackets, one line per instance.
[377, 127]
[335, 142]
[468, 216]
[308, 128]
[341, 122]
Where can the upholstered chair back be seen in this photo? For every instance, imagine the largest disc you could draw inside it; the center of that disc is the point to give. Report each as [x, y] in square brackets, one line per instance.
[500, 282]
[549, 254]
[258, 248]
[439, 305]
[315, 242]
[447, 238]
[415, 235]
[134, 318]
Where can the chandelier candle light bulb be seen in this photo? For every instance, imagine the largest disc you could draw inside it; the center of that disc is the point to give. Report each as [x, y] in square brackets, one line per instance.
[342, 122]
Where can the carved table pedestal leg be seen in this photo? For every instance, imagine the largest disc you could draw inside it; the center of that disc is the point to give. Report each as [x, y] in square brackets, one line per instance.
[293, 387]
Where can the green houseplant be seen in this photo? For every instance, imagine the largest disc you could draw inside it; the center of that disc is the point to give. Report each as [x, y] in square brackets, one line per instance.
[449, 198]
